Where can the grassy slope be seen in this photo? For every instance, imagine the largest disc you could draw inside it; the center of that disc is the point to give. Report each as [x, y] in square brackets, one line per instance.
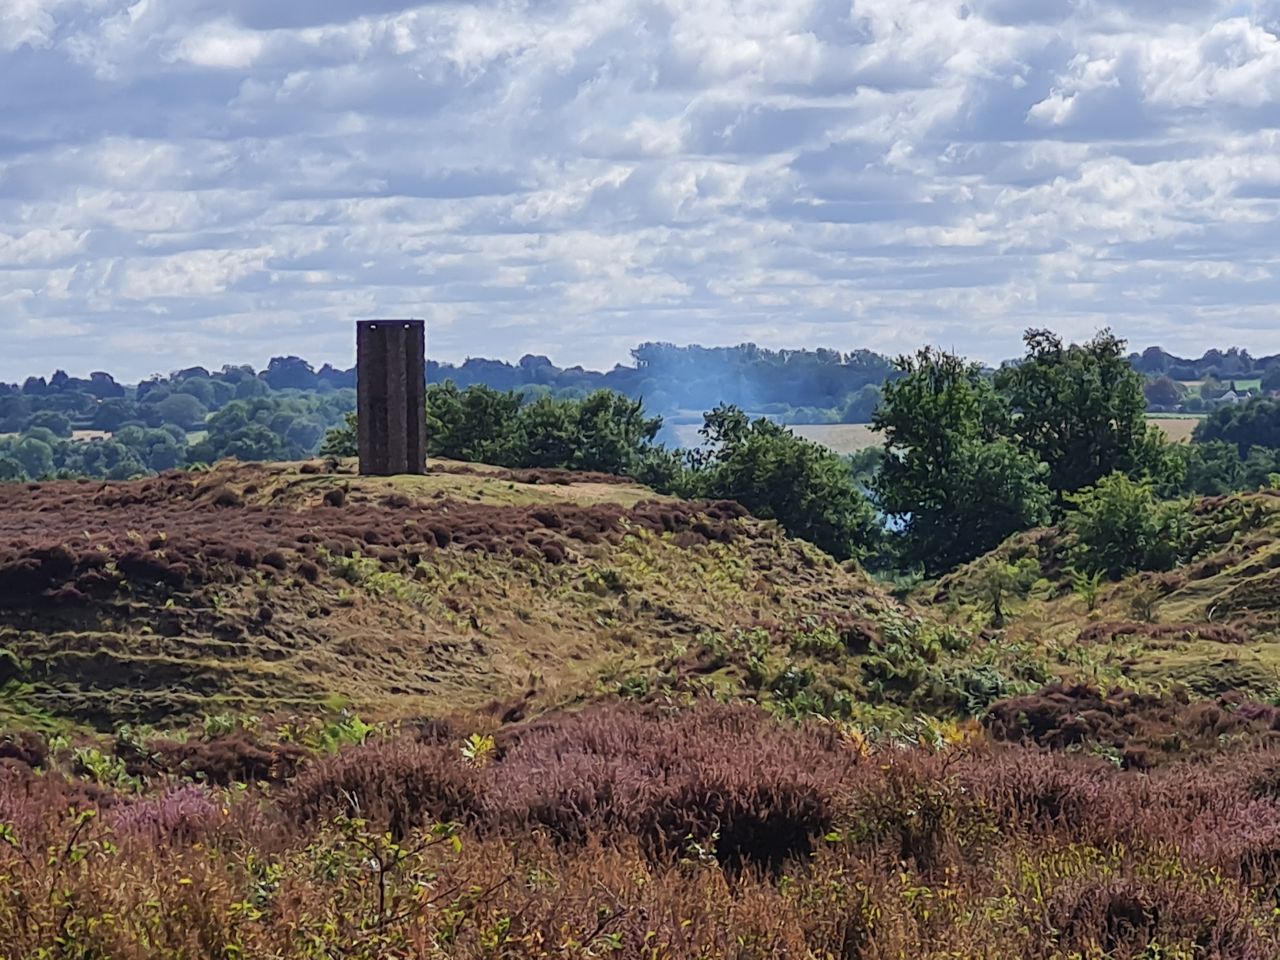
[1213, 625]
[399, 627]
[552, 590]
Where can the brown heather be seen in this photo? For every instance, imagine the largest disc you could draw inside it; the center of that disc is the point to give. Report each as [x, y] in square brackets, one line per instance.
[637, 832]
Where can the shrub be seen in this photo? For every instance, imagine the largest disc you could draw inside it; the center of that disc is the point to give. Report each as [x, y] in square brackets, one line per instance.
[224, 760]
[1133, 917]
[400, 784]
[1119, 527]
[724, 778]
[181, 814]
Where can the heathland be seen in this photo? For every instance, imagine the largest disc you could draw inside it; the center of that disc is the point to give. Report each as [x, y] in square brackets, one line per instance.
[1007, 687]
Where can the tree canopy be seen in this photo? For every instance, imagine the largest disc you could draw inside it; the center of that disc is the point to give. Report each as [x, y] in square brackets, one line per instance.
[952, 479]
[1079, 409]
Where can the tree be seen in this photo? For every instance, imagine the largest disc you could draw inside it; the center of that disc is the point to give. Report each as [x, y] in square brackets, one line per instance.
[252, 387]
[15, 410]
[55, 423]
[343, 440]
[1163, 392]
[112, 414]
[542, 434]
[35, 456]
[861, 406]
[1153, 361]
[954, 484]
[604, 432]
[1210, 469]
[1271, 379]
[157, 450]
[304, 434]
[104, 387]
[469, 424]
[108, 459]
[253, 442]
[182, 409]
[1120, 527]
[612, 432]
[11, 469]
[1255, 423]
[1001, 579]
[200, 387]
[807, 489]
[1080, 410]
[285, 373]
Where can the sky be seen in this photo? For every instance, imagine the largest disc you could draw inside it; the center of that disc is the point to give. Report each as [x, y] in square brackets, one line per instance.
[214, 181]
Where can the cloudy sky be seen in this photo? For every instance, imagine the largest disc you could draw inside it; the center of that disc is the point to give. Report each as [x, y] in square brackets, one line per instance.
[216, 181]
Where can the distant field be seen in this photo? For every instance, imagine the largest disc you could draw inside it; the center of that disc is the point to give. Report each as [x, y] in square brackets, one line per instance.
[79, 436]
[1177, 428]
[851, 437]
[840, 437]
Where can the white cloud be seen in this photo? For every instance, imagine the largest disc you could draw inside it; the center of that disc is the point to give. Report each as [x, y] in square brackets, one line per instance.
[191, 180]
[221, 46]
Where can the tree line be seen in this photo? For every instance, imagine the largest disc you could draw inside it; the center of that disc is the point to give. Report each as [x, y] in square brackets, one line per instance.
[297, 403]
[970, 455]
[968, 458]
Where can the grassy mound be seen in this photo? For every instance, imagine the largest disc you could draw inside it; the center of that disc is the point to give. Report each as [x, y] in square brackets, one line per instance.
[1212, 625]
[297, 587]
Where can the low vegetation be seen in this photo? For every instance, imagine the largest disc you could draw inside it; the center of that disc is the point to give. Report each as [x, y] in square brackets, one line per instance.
[643, 832]
[1002, 687]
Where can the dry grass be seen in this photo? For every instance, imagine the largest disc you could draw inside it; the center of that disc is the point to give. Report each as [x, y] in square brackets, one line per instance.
[1177, 429]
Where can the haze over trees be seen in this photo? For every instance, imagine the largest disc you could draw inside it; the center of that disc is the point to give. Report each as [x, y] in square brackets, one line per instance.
[969, 455]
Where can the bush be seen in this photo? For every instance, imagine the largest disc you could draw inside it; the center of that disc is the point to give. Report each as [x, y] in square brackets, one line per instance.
[224, 760]
[398, 784]
[183, 814]
[1120, 527]
[1136, 917]
[729, 780]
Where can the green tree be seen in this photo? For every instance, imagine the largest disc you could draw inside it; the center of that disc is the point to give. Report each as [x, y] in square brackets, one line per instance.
[179, 408]
[157, 450]
[542, 434]
[1208, 469]
[1271, 379]
[253, 442]
[1255, 423]
[36, 457]
[56, 423]
[952, 482]
[1163, 392]
[1001, 579]
[469, 424]
[810, 491]
[108, 459]
[613, 433]
[1119, 527]
[1080, 410]
[604, 432]
[342, 440]
[11, 469]
[112, 414]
